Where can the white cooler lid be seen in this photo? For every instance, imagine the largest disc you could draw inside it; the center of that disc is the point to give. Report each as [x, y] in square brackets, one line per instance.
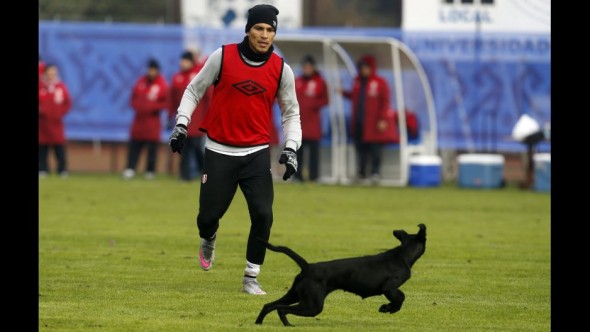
[476, 158]
[540, 157]
[425, 160]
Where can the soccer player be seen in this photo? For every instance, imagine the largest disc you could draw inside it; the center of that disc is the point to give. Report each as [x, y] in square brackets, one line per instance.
[247, 77]
[193, 144]
[54, 104]
[148, 99]
[368, 124]
[312, 94]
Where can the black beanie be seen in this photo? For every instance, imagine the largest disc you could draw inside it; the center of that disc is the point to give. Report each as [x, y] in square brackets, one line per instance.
[187, 55]
[153, 63]
[308, 59]
[262, 14]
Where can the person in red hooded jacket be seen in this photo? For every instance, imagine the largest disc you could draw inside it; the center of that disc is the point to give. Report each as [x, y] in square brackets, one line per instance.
[41, 67]
[148, 99]
[312, 94]
[54, 104]
[369, 119]
[193, 146]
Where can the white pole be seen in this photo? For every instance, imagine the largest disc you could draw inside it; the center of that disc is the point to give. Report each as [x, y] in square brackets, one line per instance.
[399, 92]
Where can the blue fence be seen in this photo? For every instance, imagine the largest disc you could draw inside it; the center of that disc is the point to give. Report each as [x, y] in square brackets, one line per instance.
[481, 83]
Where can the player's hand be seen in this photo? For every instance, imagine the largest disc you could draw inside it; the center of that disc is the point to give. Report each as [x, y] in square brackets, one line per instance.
[177, 138]
[289, 159]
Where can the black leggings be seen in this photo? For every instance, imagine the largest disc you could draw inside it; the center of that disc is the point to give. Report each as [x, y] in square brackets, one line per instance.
[221, 176]
[135, 148]
[60, 156]
[366, 150]
[314, 159]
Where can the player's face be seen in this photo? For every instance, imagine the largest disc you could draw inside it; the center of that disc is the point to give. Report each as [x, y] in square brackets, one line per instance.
[308, 69]
[185, 64]
[365, 71]
[261, 37]
[152, 73]
[51, 73]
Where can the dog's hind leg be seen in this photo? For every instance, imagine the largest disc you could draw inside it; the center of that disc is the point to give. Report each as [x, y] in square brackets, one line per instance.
[298, 310]
[291, 297]
[396, 298]
[311, 302]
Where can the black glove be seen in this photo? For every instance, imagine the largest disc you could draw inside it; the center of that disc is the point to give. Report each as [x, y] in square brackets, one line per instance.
[177, 138]
[289, 159]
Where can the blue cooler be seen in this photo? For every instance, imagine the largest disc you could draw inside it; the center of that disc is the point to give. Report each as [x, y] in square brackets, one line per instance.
[481, 170]
[425, 170]
[542, 163]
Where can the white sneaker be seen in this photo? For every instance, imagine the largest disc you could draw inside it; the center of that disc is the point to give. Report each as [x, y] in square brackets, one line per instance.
[150, 176]
[375, 179]
[128, 174]
[251, 286]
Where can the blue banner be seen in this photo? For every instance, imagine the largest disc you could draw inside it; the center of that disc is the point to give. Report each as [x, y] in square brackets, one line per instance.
[481, 83]
[100, 63]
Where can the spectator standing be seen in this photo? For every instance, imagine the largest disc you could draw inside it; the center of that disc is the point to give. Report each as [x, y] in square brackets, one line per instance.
[193, 146]
[312, 94]
[148, 98]
[369, 123]
[54, 104]
[41, 67]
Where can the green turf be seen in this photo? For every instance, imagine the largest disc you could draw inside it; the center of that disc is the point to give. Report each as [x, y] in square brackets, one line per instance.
[122, 256]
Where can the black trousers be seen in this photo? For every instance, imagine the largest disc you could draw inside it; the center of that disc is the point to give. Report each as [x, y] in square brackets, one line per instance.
[314, 159]
[135, 148]
[192, 151]
[364, 151]
[60, 156]
[222, 174]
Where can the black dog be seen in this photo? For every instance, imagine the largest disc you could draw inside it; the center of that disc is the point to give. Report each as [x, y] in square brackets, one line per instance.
[365, 276]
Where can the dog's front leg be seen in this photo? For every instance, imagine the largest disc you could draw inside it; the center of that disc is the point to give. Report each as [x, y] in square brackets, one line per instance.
[396, 298]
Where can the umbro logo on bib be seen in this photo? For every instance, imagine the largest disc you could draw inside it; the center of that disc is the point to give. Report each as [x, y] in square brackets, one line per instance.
[249, 87]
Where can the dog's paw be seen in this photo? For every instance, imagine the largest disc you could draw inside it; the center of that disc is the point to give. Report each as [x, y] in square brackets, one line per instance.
[386, 308]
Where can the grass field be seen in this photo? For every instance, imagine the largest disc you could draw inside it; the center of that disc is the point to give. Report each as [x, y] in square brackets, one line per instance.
[122, 256]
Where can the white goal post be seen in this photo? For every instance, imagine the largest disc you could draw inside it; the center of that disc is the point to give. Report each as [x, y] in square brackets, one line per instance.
[336, 57]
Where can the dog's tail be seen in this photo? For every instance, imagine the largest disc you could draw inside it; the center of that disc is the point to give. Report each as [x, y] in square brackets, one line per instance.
[303, 264]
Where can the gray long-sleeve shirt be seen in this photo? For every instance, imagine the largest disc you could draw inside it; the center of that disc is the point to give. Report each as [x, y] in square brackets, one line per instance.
[286, 97]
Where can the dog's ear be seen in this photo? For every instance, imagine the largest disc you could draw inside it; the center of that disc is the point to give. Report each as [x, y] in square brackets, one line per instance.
[400, 234]
[422, 232]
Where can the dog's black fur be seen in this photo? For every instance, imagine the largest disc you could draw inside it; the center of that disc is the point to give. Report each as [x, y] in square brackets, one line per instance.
[365, 276]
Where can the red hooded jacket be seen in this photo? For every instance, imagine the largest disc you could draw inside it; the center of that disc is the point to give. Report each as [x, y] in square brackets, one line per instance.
[180, 81]
[54, 103]
[147, 100]
[41, 68]
[376, 106]
[312, 95]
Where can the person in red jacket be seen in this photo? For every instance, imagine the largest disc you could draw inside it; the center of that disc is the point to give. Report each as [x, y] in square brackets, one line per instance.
[148, 99]
[193, 147]
[312, 94]
[54, 104]
[41, 67]
[369, 119]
